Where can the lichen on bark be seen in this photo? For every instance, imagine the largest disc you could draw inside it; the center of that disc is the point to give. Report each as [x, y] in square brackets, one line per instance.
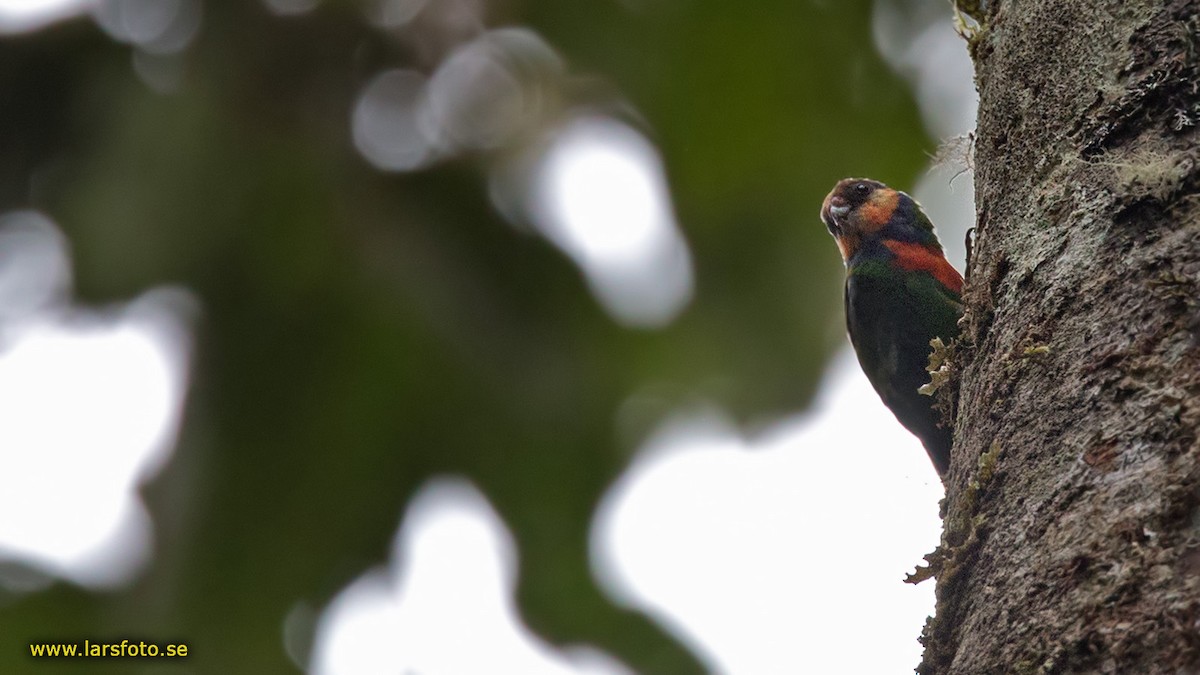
[1080, 353]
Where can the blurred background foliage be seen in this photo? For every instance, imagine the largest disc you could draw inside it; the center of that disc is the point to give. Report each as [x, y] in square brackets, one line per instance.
[361, 329]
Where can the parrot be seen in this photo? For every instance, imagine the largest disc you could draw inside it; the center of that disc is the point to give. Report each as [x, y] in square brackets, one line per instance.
[900, 294]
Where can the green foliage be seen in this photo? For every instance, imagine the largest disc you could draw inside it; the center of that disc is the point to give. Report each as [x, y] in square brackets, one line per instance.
[364, 331]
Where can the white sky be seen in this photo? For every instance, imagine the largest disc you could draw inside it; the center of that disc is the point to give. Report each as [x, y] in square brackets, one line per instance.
[600, 194]
[783, 554]
[19, 16]
[445, 603]
[89, 404]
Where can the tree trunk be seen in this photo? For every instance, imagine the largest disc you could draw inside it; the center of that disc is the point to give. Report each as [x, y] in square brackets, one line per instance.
[1072, 533]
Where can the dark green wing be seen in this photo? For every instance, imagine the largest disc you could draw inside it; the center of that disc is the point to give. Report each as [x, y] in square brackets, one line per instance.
[891, 315]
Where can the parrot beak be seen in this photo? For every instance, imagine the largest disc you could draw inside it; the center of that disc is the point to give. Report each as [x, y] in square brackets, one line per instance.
[832, 211]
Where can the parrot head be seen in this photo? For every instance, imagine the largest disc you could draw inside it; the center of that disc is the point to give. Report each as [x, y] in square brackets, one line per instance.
[859, 211]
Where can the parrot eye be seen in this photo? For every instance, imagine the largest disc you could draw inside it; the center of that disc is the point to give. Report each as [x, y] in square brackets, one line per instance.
[862, 189]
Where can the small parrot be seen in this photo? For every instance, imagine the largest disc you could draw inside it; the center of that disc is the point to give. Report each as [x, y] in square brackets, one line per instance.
[901, 292]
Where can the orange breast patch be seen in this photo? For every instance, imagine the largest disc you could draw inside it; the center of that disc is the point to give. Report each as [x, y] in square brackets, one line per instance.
[915, 257]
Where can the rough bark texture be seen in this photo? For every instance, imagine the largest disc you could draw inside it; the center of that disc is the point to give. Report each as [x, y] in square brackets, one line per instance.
[1072, 541]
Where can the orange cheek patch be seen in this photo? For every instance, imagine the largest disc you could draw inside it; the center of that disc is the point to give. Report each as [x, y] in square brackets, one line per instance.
[878, 210]
[915, 257]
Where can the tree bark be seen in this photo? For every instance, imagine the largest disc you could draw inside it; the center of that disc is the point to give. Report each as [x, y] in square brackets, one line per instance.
[1072, 532]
